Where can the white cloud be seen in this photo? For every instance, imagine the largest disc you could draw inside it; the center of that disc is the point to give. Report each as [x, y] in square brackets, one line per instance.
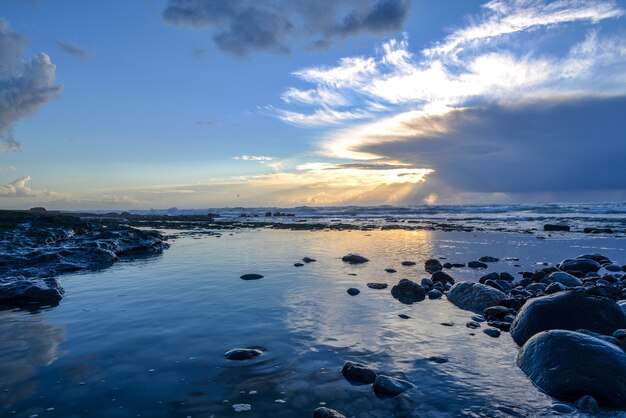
[253, 158]
[18, 188]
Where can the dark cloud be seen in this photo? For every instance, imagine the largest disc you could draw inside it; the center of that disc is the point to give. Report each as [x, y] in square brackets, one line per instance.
[242, 26]
[550, 147]
[73, 50]
[24, 85]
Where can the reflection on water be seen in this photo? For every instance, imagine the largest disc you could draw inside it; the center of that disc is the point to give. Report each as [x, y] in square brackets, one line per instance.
[147, 338]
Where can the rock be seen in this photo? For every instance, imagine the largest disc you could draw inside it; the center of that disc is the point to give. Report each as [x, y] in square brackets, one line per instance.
[251, 276]
[19, 291]
[435, 294]
[407, 291]
[458, 265]
[377, 285]
[472, 325]
[563, 408]
[488, 259]
[353, 291]
[438, 359]
[268, 214]
[389, 386]
[598, 231]
[432, 265]
[554, 288]
[507, 277]
[427, 283]
[239, 354]
[613, 267]
[501, 325]
[441, 276]
[390, 270]
[586, 404]
[595, 257]
[553, 227]
[568, 365]
[584, 265]
[492, 332]
[477, 265]
[354, 259]
[408, 263]
[474, 296]
[447, 266]
[569, 310]
[489, 276]
[323, 412]
[358, 372]
[495, 313]
[403, 316]
[608, 338]
[565, 279]
[298, 265]
[309, 260]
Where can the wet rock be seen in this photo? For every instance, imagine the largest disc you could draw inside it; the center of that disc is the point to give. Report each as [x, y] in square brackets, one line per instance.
[353, 291]
[408, 263]
[390, 270]
[489, 276]
[508, 277]
[553, 227]
[251, 276]
[238, 354]
[595, 257]
[598, 231]
[357, 372]
[474, 296]
[435, 294]
[563, 408]
[432, 265]
[441, 276]
[20, 291]
[554, 288]
[403, 316]
[613, 268]
[447, 266]
[353, 258]
[477, 265]
[492, 332]
[584, 265]
[472, 325]
[389, 387]
[568, 365]
[488, 259]
[309, 260]
[377, 285]
[323, 412]
[565, 279]
[586, 404]
[458, 265]
[298, 265]
[438, 359]
[407, 291]
[608, 338]
[494, 313]
[570, 310]
[501, 325]
[427, 283]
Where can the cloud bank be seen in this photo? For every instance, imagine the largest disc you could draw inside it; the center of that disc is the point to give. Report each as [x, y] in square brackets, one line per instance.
[25, 85]
[243, 26]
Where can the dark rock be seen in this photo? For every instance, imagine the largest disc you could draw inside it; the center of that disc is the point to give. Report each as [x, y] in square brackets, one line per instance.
[309, 260]
[435, 294]
[458, 265]
[19, 291]
[472, 324]
[298, 265]
[568, 365]
[608, 338]
[565, 279]
[495, 285]
[403, 316]
[354, 259]
[251, 276]
[563, 408]
[447, 324]
[408, 263]
[554, 288]
[446, 266]
[389, 387]
[390, 270]
[513, 303]
[427, 283]
[570, 310]
[377, 285]
[432, 265]
[474, 296]
[595, 257]
[496, 312]
[501, 325]
[438, 359]
[478, 318]
[613, 268]
[490, 276]
[477, 265]
[552, 227]
[584, 265]
[353, 291]
[323, 412]
[506, 276]
[441, 276]
[488, 259]
[492, 332]
[586, 404]
[598, 231]
[268, 214]
[358, 372]
[407, 291]
[536, 288]
[238, 354]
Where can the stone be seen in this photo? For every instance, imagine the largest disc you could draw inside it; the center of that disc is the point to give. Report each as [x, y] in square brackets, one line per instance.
[508, 277]
[568, 365]
[403, 316]
[584, 265]
[554, 288]
[19, 291]
[563, 408]
[390, 270]
[569, 310]
[357, 372]
[488, 259]
[492, 332]
[353, 291]
[407, 291]
[353, 258]
[477, 265]
[438, 359]
[432, 265]
[441, 276]
[251, 276]
[553, 227]
[323, 412]
[595, 257]
[435, 294]
[309, 260]
[565, 279]
[238, 354]
[298, 265]
[377, 286]
[501, 325]
[474, 297]
[472, 325]
[586, 404]
[386, 386]
[408, 263]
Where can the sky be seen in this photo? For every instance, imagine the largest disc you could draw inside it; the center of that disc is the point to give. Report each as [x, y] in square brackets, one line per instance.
[210, 103]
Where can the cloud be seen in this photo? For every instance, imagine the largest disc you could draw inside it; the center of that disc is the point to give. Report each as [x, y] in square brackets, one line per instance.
[25, 85]
[73, 50]
[242, 26]
[18, 188]
[253, 158]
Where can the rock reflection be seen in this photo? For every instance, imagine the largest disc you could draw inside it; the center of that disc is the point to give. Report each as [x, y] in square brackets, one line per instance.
[26, 344]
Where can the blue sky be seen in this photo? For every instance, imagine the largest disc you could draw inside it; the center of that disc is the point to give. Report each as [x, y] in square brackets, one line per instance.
[204, 103]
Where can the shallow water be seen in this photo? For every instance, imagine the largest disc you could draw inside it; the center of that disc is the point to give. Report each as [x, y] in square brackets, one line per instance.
[147, 337]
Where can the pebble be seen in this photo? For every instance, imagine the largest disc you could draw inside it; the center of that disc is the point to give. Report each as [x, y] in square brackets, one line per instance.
[492, 332]
[353, 291]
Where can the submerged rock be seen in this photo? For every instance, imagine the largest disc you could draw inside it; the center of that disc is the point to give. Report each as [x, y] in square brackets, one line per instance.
[238, 354]
[407, 291]
[488, 259]
[477, 265]
[323, 412]
[358, 372]
[568, 365]
[389, 386]
[553, 227]
[475, 297]
[353, 258]
[19, 291]
[251, 276]
[569, 310]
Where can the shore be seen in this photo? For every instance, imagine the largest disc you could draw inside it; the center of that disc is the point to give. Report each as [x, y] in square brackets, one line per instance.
[93, 354]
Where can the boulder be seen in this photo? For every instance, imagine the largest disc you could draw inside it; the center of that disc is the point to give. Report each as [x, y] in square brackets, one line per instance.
[441, 276]
[569, 365]
[432, 265]
[353, 258]
[357, 372]
[565, 279]
[389, 387]
[569, 310]
[584, 265]
[323, 412]
[474, 297]
[19, 291]
[407, 291]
